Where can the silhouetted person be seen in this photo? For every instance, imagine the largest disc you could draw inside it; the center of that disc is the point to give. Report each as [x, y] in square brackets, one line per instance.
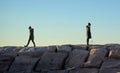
[31, 36]
[88, 33]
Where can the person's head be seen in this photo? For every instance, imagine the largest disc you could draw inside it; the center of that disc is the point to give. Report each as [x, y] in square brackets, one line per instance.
[89, 24]
[29, 27]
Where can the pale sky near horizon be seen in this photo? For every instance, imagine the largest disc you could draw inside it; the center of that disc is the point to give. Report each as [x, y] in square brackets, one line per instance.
[57, 22]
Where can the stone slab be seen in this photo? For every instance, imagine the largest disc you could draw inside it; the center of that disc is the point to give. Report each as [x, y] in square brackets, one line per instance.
[5, 63]
[114, 51]
[23, 63]
[111, 63]
[110, 71]
[58, 71]
[76, 58]
[64, 48]
[51, 61]
[10, 51]
[96, 57]
[84, 70]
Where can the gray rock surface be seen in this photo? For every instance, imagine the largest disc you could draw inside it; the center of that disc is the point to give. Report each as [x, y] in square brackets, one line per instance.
[111, 63]
[23, 63]
[96, 56]
[10, 51]
[5, 63]
[114, 51]
[52, 48]
[64, 48]
[36, 51]
[16, 72]
[51, 61]
[59, 71]
[76, 58]
[82, 47]
[110, 71]
[60, 59]
[85, 70]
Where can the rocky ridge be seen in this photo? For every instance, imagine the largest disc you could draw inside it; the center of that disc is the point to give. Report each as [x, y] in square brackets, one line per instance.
[60, 59]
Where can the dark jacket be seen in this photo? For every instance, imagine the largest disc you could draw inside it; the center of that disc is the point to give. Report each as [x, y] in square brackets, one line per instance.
[31, 35]
[88, 32]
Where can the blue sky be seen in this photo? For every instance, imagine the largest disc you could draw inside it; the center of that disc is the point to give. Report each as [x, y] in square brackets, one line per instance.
[57, 22]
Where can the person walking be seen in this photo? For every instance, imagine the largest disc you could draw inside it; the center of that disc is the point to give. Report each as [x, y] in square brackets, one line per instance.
[31, 36]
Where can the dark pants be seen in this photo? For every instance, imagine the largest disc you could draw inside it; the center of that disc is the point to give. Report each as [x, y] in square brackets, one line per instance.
[29, 42]
[88, 37]
[88, 41]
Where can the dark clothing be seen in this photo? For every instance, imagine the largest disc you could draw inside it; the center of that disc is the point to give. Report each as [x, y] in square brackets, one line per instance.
[31, 36]
[88, 33]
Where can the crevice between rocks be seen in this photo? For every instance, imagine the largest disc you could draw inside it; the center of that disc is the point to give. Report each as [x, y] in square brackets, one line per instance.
[35, 66]
[11, 63]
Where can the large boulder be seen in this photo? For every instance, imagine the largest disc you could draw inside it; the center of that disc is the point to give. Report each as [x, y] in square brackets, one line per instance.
[36, 51]
[33, 49]
[7, 55]
[64, 48]
[10, 51]
[96, 57]
[52, 48]
[23, 64]
[85, 70]
[76, 58]
[114, 51]
[110, 71]
[58, 71]
[5, 63]
[51, 61]
[111, 64]
[1, 49]
[15, 72]
[82, 47]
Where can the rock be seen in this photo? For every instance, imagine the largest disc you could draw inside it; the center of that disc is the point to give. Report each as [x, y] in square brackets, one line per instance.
[44, 71]
[10, 51]
[58, 71]
[82, 47]
[76, 58]
[36, 72]
[24, 72]
[36, 51]
[60, 59]
[32, 51]
[97, 46]
[51, 61]
[114, 51]
[85, 70]
[52, 48]
[5, 63]
[96, 56]
[1, 49]
[31, 54]
[5, 58]
[16, 72]
[23, 63]
[111, 64]
[64, 48]
[110, 71]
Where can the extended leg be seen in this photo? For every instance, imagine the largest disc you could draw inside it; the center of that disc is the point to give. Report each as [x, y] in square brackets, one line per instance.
[28, 43]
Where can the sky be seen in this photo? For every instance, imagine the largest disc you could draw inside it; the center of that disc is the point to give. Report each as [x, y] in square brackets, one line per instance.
[58, 22]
